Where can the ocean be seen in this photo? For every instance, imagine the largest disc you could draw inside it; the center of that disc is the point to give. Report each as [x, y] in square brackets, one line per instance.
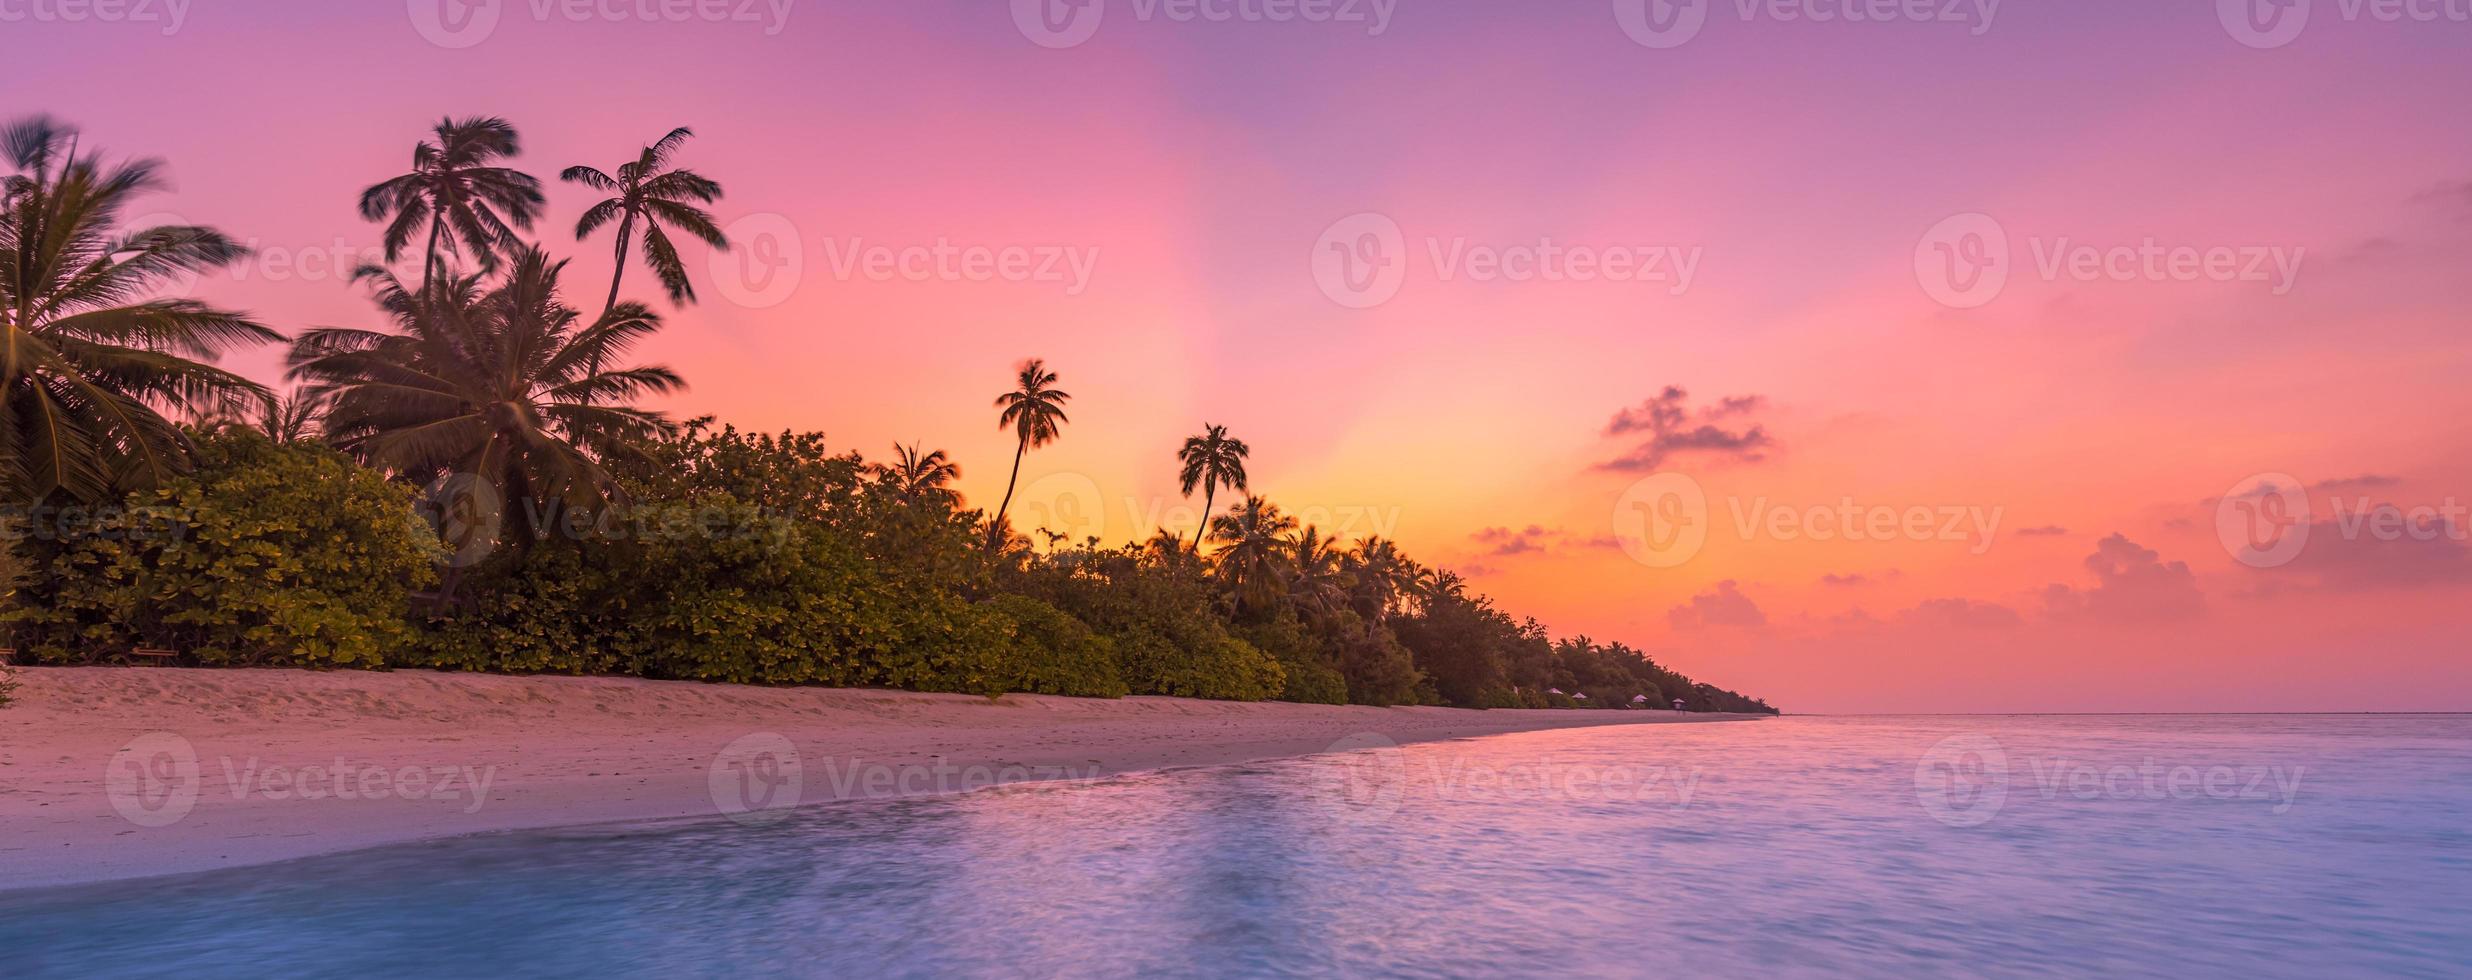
[2071, 845]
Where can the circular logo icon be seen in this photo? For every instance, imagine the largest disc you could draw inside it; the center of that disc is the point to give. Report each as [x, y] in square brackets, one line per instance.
[1058, 23]
[1361, 260]
[1963, 780]
[453, 23]
[755, 779]
[1661, 23]
[1963, 262]
[764, 262]
[181, 284]
[1368, 776]
[2263, 24]
[153, 780]
[465, 512]
[1661, 521]
[1066, 506]
[2263, 521]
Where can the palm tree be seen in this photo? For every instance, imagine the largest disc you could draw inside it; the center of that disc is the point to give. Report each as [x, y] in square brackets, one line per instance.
[1212, 460]
[466, 203]
[494, 382]
[1034, 410]
[1382, 576]
[88, 370]
[1250, 562]
[284, 420]
[916, 477]
[652, 195]
[1316, 574]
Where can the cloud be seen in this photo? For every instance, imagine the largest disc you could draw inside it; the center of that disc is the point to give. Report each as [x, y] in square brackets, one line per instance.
[1724, 606]
[2381, 547]
[2046, 531]
[2452, 191]
[1970, 614]
[1503, 541]
[1674, 429]
[2133, 584]
[2365, 481]
[1848, 580]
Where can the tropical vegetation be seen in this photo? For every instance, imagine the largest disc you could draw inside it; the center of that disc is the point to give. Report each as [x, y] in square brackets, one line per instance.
[473, 481]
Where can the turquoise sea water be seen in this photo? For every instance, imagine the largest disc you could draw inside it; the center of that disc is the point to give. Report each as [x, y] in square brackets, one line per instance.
[2028, 845]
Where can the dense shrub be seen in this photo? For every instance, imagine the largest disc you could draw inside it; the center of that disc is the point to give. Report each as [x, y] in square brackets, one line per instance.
[1305, 676]
[1044, 651]
[263, 555]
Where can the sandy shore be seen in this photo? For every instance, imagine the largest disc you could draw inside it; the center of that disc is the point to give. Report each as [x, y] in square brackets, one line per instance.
[125, 772]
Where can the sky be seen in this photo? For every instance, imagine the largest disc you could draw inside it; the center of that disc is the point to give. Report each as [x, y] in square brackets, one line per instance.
[1981, 356]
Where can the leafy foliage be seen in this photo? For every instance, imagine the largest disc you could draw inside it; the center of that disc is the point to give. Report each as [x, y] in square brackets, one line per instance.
[266, 555]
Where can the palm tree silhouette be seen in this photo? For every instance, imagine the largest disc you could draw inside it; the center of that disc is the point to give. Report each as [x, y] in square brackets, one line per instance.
[90, 368]
[494, 383]
[453, 188]
[653, 196]
[1251, 562]
[1316, 574]
[1212, 460]
[1034, 410]
[915, 476]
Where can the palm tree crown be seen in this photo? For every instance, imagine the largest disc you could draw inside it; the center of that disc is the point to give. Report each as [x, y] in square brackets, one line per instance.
[89, 368]
[1212, 460]
[1034, 410]
[498, 382]
[454, 190]
[1251, 558]
[916, 477]
[648, 194]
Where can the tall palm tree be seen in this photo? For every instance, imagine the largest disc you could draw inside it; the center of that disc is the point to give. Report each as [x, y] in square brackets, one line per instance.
[88, 369]
[1251, 557]
[456, 191]
[916, 477]
[494, 381]
[653, 196]
[1212, 460]
[1034, 410]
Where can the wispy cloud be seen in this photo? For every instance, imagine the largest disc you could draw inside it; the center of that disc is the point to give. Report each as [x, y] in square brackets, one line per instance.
[1676, 429]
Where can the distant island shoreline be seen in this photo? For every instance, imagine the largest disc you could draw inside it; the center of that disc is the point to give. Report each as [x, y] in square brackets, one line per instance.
[249, 766]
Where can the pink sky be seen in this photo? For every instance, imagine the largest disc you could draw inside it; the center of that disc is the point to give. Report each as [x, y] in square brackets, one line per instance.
[1195, 166]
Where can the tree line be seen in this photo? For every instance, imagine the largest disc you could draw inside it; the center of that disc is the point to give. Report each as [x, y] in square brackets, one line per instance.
[473, 483]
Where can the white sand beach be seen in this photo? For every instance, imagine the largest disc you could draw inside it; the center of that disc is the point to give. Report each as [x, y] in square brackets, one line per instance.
[126, 772]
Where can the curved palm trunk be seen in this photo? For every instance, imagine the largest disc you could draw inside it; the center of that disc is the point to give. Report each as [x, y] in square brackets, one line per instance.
[996, 526]
[626, 230]
[1209, 489]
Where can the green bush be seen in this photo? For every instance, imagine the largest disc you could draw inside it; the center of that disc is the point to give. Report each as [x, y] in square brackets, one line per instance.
[8, 686]
[263, 555]
[1305, 676]
[1043, 651]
